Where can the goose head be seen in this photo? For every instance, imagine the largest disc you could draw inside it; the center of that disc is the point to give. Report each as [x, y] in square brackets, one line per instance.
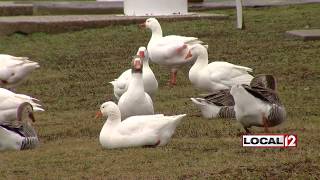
[143, 54]
[137, 65]
[197, 50]
[25, 112]
[109, 109]
[152, 24]
[265, 81]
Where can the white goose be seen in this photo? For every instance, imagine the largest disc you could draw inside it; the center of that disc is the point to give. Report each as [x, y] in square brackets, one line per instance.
[170, 50]
[217, 75]
[120, 85]
[18, 133]
[135, 131]
[135, 101]
[257, 106]
[13, 70]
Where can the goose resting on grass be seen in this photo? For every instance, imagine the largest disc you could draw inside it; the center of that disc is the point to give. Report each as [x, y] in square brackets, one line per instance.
[217, 75]
[18, 133]
[169, 50]
[10, 102]
[120, 85]
[13, 70]
[135, 131]
[135, 101]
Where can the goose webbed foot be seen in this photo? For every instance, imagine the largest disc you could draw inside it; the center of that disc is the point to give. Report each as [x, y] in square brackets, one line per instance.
[173, 78]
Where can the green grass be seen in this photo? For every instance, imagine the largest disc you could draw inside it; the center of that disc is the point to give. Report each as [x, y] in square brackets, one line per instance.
[73, 81]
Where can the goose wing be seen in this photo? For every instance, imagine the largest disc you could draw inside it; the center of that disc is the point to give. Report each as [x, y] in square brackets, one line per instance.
[264, 80]
[264, 94]
[138, 124]
[220, 98]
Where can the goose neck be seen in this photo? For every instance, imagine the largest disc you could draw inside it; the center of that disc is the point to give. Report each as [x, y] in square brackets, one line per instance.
[156, 32]
[114, 118]
[201, 62]
[136, 83]
[146, 64]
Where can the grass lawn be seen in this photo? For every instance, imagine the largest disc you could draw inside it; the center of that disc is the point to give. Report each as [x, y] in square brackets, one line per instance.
[73, 81]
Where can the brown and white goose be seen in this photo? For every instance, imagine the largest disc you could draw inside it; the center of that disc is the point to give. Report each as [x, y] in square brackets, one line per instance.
[18, 134]
[220, 103]
[254, 105]
[258, 106]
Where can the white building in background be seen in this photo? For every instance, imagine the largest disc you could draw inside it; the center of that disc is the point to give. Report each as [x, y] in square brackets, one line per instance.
[153, 7]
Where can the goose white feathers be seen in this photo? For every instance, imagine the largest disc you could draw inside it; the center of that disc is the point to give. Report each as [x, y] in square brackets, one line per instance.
[13, 70]
[217, 75]
[135, 131]
[170, 50]
[257, 106]
[135, 101]
[18, 133]
[120, 85]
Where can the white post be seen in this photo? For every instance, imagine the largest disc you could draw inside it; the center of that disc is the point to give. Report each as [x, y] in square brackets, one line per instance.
[155, 7]
[240, 24]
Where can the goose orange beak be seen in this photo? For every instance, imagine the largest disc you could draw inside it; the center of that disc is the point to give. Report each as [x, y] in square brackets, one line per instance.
[98, 114]
[189, 55]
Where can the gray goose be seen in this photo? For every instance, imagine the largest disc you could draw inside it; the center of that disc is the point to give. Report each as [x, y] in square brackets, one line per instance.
[258, 105]
[221, 104]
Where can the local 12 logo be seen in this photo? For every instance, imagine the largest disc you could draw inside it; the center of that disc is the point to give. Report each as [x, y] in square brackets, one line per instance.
[270, 140]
